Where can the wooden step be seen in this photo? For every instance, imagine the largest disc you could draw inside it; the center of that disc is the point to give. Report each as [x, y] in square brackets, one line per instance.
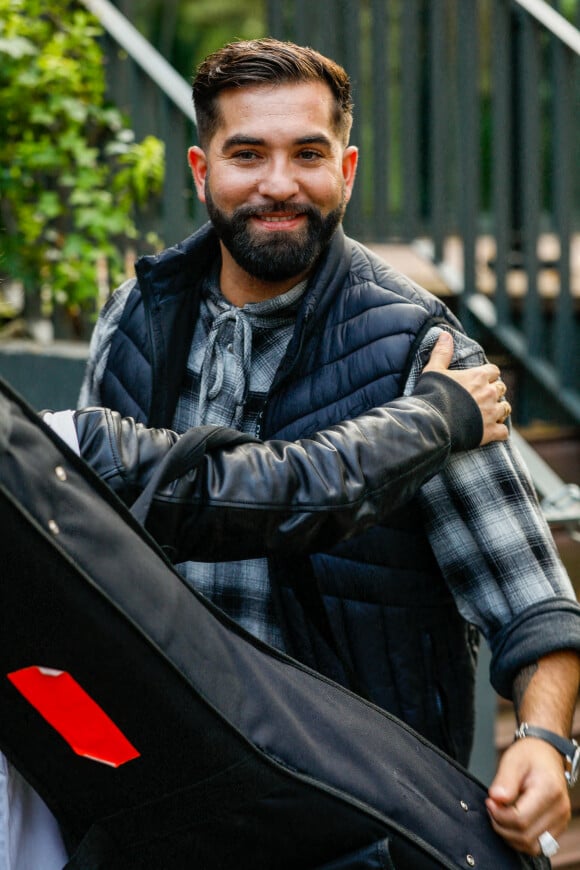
[409, 260]
[445, 279]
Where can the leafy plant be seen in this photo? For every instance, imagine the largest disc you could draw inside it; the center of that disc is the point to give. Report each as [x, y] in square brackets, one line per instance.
[71, 174]
[185, 31]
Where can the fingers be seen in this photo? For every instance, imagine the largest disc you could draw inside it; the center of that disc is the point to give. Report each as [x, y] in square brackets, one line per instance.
[529, 796]
[504, 410]
[441, 355]
[494, 415]
[483, 383]
[540, 808]
[494, 432]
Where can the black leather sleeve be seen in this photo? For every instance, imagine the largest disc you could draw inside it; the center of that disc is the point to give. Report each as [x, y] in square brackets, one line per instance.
[298, 496]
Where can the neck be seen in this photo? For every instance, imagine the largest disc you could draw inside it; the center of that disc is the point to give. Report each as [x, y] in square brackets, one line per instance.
[239, 288]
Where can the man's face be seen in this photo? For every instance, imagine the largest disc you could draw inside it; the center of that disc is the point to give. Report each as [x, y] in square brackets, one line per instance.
[275, 178]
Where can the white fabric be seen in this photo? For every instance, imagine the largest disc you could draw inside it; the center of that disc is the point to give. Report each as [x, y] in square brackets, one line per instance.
[62, 422]
[30, 838]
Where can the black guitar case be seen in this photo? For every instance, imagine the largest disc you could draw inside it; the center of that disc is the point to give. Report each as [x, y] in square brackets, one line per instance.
[161, 735]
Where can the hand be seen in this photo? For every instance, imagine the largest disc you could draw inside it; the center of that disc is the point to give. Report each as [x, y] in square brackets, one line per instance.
[529, 795]
[484, 385]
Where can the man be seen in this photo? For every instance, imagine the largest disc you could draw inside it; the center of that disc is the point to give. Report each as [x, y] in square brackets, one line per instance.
[271, 321]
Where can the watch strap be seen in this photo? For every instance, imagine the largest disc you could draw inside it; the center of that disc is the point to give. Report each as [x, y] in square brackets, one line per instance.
[568, 748]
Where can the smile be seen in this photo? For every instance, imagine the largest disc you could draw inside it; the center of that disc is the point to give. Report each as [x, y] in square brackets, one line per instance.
[280, 221]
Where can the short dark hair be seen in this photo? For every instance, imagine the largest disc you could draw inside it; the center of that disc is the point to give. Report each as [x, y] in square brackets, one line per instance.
[266, 61]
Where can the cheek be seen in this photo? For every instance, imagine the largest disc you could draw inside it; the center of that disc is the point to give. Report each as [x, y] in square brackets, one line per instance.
[327, 189]
[231, 187]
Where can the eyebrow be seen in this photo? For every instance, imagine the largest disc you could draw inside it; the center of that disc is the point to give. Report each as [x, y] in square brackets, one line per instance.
[238, 140]
[316, 139]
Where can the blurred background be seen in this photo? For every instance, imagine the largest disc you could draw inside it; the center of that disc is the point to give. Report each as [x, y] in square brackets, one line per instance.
[467, 120]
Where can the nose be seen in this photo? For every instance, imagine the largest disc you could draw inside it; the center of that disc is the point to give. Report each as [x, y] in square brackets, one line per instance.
[279, 181]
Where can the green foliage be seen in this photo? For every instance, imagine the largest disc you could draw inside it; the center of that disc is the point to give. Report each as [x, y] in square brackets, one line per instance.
[71, 174]
[205, 26]
[568, 8]
[185, 31]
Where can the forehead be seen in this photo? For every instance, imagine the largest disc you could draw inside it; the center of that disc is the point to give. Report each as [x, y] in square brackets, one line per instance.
[279, 109]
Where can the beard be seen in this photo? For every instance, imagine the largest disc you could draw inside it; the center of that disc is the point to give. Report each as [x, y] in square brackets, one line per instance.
[274, 256]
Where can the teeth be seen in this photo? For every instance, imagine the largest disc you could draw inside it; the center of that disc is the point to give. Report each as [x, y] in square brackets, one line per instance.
[277, 219]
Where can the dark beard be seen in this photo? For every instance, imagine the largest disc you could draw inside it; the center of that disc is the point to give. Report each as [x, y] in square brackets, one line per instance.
[281, 255]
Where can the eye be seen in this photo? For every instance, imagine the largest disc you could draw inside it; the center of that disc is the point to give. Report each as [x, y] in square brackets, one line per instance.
[309, 155]
[245, 156]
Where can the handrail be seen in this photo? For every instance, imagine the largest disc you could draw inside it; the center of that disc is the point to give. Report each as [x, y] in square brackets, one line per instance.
[144, 54]
[553, 21]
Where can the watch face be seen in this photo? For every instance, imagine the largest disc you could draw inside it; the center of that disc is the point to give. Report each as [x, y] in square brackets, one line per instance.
[572, 775]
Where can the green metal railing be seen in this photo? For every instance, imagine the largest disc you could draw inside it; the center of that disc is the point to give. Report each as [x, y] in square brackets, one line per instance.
[465, 117]
[534, 195]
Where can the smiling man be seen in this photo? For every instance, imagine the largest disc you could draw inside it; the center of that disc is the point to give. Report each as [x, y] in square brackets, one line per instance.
[270, 320]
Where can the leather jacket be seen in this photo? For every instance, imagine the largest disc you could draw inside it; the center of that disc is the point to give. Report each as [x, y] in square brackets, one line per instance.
[296, 496]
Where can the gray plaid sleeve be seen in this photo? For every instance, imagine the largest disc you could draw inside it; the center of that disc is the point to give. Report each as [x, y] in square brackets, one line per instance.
[485, 525]
[490, 538]
[105, 328]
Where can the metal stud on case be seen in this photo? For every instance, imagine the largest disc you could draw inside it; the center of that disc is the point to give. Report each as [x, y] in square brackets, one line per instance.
[60, 473]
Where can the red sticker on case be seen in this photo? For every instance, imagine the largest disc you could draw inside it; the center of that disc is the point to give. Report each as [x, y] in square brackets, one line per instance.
[66, 706]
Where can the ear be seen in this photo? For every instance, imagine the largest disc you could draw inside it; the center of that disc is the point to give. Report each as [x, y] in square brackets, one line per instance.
[349, 164]
[198, 165]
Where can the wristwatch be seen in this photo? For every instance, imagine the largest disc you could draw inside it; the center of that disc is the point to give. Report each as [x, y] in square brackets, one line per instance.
[568, 748]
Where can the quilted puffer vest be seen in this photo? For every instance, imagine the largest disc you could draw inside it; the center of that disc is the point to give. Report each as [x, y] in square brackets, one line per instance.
[374, 613]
